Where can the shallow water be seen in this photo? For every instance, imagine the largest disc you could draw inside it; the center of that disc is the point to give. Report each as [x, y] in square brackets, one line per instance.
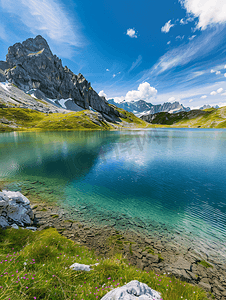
[169, 183]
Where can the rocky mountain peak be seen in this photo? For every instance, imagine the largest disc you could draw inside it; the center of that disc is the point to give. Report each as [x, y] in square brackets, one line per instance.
[20, 52]
[32, 66]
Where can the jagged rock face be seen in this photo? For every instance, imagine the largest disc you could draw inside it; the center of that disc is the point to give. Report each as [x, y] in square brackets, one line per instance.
[33, 66]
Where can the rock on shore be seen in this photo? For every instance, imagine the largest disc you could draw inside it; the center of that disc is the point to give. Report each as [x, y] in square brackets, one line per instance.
[14, 209]
[132, 291]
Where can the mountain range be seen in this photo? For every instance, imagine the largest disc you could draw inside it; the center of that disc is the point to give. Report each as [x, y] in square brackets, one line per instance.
[141, 107]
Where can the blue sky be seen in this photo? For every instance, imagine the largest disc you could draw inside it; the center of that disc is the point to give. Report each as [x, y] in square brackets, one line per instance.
[157, 51]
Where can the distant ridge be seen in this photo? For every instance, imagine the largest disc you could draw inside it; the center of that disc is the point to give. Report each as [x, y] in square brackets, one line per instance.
[142, 108]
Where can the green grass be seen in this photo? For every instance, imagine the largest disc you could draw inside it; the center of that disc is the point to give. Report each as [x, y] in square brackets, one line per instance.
[31, 120]
[208, 118]
[205, 264]
[35, 265]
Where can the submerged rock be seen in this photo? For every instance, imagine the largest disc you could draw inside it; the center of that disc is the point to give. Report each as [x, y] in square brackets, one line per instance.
[134, 290]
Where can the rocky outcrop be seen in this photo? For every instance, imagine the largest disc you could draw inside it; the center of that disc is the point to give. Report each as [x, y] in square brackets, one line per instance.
[13, 97]
[132, 291]
[141, 107]
[14, 209]
[32, 65]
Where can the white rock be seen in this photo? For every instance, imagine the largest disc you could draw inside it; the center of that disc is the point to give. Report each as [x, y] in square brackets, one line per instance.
[32, 228]
[80, 267]
[14, 226]
[14, 208]
[18, 213]
[17, 196]
[134, 290]
[3, 222]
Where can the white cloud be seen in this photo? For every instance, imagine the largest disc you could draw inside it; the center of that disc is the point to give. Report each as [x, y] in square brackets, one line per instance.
[118, 99]
[225, 67]
[224, 74]
[223, 94]
[218, 72]
[171, 99]
[144, 92]
[47, 18]
[167, 26]
[102, 94]
[136, 63]
[220, 90]
[113, 75]
[209, 12]
[212, 71]
[191, 100]
[192, 37]
[203, 97]
[180, 37]
[185, 21]
[131, 33]
[213, 93]
[107, 70]
[168, 42]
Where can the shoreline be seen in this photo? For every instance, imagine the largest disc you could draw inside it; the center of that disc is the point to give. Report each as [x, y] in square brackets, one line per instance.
[144, 252]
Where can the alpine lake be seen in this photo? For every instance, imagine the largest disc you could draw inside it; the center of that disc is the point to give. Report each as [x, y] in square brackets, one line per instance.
[167, 183]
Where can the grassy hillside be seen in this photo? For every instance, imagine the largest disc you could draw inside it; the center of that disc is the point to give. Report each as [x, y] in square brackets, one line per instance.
[35, 265]
[208, 118]
[12, 119]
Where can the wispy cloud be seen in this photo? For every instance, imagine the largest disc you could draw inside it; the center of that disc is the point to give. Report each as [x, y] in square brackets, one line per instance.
[167, 26]
[3, 34]
[186, 53]
[47, 18]
[136, 63]
[186, 21]
[192, 37]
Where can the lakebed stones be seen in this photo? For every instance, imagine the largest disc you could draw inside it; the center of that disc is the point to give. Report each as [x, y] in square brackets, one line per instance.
[134, 290]
[14, 209]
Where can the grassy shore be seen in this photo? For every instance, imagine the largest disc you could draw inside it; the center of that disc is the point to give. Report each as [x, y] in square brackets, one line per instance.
[20, 119]
[35, 265]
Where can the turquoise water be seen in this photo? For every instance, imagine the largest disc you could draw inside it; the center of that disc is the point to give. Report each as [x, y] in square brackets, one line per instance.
[165, 182]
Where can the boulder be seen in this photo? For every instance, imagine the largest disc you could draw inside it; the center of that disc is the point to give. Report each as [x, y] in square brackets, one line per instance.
[3, 222]
[134, 290]
[80, 267]
[14, 209]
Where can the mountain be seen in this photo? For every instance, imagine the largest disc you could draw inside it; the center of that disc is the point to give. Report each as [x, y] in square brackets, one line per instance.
[206, 106]
[32, 67]
[141, 107]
